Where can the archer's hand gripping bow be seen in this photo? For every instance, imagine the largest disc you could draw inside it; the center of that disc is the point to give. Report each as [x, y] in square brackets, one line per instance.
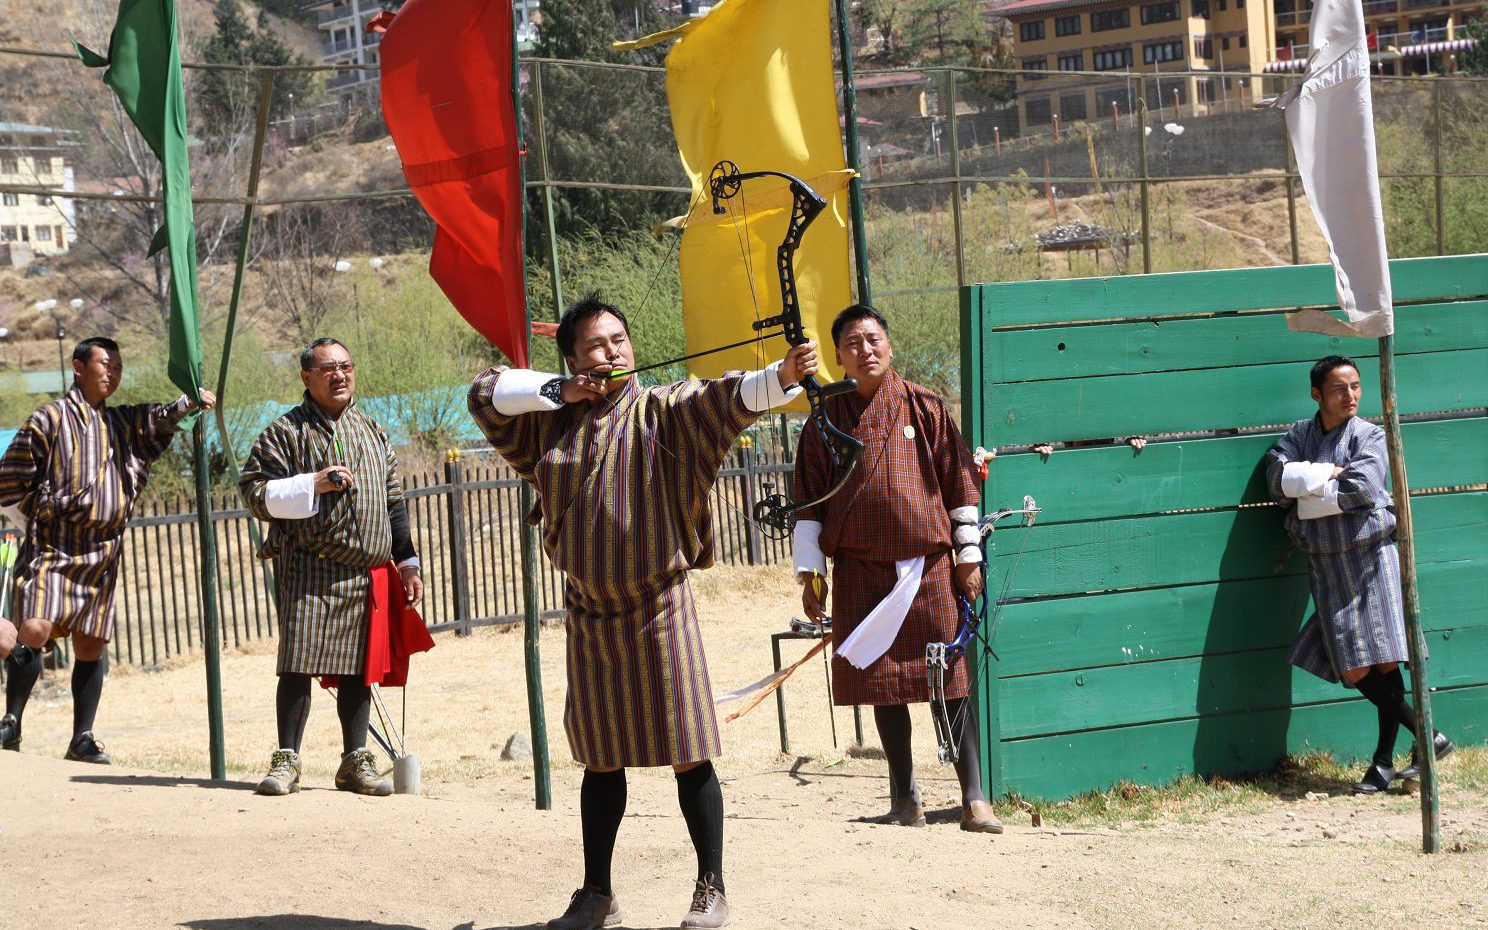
[776, 513]
[940, 656]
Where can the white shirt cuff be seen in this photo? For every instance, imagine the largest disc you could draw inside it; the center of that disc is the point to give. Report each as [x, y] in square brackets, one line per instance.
[1299, 479]
[292, 498]
[965, 534]
[760, 390]
[969, 555]
[515, 392]
[411, 560]
[806, 545]
[967, 514]
[1314, 506]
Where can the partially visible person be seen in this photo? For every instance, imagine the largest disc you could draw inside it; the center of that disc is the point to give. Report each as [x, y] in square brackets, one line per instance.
[74, 472]
[325, 478]
[903, 541]
[1329, 473]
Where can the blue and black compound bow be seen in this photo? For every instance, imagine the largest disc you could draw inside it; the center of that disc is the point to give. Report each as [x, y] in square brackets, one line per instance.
[976, 626]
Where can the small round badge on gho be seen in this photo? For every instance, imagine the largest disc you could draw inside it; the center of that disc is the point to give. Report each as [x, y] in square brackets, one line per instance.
[909, 432]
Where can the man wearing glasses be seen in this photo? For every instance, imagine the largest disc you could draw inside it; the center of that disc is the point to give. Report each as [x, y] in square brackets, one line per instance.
[325, 478]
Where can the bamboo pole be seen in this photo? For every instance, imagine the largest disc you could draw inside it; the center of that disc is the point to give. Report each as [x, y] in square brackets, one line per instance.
[1411, 598]
[245, 235]
[956, 221]
[1141, 121]
[211, 634]
[555, 275]
[855, 186]
[1441, 203]
[531, 621]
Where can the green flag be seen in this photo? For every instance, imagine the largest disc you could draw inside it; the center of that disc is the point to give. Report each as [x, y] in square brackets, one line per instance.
[144, 69]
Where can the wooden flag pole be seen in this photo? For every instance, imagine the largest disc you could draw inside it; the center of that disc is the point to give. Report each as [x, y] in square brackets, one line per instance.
[855, 186]
[531, 620]
[1411, 599]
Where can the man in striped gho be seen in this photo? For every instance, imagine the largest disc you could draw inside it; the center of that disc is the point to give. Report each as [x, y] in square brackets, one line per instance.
[74, 473]
[902, 537]
[325, 478]
[623, 475]
[1329, 473]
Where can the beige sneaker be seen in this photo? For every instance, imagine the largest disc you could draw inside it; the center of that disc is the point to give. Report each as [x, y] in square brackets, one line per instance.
[358, 773]
[709, 907]
[284, 774]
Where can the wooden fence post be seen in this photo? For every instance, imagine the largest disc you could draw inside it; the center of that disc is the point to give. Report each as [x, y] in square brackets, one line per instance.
[459, 576]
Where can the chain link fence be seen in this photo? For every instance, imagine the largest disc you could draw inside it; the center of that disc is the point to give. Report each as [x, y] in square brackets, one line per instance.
[970, 176]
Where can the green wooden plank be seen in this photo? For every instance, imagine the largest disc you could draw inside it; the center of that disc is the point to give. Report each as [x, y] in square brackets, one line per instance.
[1197, 548]
[1148, 692]
[1019, 303]
[1203, 474]
[1065, 633]
[1058, 767]
[1217, 342]
[1182, 401]
[983, 680]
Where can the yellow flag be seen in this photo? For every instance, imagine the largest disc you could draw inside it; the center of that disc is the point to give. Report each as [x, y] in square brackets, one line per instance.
[751, 82]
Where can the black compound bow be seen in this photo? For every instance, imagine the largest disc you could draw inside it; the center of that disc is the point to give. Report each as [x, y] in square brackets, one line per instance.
[776, 513]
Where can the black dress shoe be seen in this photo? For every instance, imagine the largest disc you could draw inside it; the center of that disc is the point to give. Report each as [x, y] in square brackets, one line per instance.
[84, 748]
[10, 733]
[1376, 780]
[1443, 747]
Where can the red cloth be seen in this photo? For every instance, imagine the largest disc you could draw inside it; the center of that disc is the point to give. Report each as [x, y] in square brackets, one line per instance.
[395, 631]
[447, 99]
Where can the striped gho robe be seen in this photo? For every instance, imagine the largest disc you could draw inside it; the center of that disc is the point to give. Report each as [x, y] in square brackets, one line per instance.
[1347, 529]
[75, 473]
[323, 554]
[623, 487]
[913, 471]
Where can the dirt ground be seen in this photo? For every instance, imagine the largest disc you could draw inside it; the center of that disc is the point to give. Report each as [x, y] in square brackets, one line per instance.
[149, 843]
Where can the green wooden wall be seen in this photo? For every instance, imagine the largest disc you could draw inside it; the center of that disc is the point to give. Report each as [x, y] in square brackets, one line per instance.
[1151, 607]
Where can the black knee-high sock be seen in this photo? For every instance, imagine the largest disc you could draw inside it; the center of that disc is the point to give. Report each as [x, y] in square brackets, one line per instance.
[601, 808]
[969, 764]
[1386, 690]
[292, 709]
[20, 680]
[354, 707]
[87, 688]
[701, 798]
[894, 733]
[1389, 728]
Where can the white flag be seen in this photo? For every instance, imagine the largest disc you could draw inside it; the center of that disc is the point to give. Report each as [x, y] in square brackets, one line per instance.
[1330, 118]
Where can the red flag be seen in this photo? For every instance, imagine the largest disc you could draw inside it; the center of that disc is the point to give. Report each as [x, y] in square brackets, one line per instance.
[447, 97]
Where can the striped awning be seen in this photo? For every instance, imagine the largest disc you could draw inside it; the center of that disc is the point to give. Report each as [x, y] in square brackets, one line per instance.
[1280, 67]
[1436, 48]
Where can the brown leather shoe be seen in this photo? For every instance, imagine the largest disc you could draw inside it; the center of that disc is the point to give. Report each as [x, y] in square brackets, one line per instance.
[977, 817]
[588, 910]
[709, 907]
[903, 812]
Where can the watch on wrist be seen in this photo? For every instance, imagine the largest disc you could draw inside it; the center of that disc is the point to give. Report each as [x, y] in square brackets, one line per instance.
[553, 391]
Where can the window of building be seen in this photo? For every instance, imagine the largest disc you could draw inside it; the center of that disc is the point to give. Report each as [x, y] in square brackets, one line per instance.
[1222, 4]
[1159, 52]
[1224, 43]
[7, 234]
[1203, 47]
[1201, 8]
[1243, 38]
[1239, 4]
[1110, 19]
[1073, 61]
[1031, 32]
[1035, 64]
[1113, 59]
[1067, 25]
[11, 200]
[1038, 112]
[1072, 107]
[1159, 13]
[9, 166]
[43, 233]
[1115, 100]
